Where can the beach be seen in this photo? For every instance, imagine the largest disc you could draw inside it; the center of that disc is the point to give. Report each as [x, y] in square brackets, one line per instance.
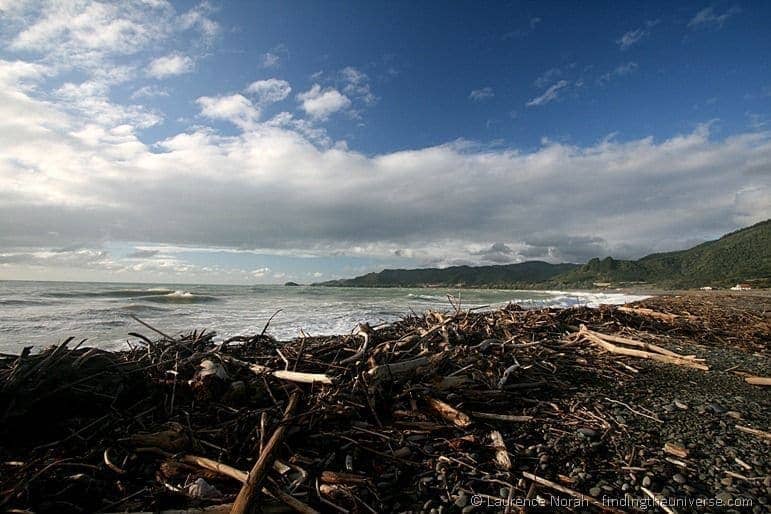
[616, 408]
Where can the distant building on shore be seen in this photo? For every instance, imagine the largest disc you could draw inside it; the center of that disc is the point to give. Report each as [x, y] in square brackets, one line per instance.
[706, 288]
[741, 287]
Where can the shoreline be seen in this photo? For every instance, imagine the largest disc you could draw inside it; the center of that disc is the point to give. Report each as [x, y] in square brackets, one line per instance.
[426, 412]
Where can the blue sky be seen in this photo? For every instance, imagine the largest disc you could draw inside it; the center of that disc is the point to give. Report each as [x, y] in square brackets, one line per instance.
[262, 142]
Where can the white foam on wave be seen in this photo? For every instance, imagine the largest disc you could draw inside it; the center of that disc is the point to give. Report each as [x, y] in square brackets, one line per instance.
[590, 299]
[180, 294]
[427, 297]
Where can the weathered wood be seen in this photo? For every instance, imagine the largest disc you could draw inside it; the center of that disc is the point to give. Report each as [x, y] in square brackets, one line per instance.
[677, 451]
[501, 417]
[663, 316]
[396, 370]
[290, 376]
[502, 460]
[251, 487]
[215, 466]
[242, 476]
[449, 413]
[754, 431]
[612, 348]
[335, 477]
[647, 346]
[761, 381]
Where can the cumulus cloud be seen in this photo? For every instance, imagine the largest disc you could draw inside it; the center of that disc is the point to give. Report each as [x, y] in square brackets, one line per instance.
[549, 95]
[320, 103]
[169, 65]
[198, 17]
[73, 168]
[480, 95]
[62, 180]
[236, 109]
[90, 34]
[708, 18]
[269, 91]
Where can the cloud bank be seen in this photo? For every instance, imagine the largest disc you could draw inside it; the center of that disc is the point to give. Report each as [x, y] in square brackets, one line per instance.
[76, 177]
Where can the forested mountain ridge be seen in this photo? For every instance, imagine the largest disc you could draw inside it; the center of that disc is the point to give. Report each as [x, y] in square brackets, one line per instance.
[741, 256]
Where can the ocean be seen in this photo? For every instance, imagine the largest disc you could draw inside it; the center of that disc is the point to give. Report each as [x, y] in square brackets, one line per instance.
[44, 313]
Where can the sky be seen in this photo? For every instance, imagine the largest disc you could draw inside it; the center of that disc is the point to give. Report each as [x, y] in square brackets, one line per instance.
[261, 142]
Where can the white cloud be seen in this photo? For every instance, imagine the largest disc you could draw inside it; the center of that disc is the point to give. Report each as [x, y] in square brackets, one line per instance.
[260, 272]
[548, 77]
[357, 85]
[236, 109]
[622, 70]
[169, 65]
[270, 90]
[64, 178]
[269, 60]
[708, 18]
[86, 33]
[630, 38]
[149, 92]
[482, 94]
[320, 103]
[90, 99]
[198, 17]
[549, 95]
[74, 169]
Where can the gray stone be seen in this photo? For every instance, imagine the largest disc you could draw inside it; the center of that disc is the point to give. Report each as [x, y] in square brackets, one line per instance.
[588, 432]
[716, 408]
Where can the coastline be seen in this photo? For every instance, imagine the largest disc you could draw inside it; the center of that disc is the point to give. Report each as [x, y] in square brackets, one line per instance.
[433, 410]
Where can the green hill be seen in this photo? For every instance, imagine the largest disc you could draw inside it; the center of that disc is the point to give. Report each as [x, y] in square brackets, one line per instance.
[526, 274]
[741, 256]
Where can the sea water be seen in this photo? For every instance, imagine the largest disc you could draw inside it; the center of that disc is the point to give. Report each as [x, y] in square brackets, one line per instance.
[43, 313]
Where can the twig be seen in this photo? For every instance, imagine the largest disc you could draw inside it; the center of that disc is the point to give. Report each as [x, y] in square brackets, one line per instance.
[654, 418]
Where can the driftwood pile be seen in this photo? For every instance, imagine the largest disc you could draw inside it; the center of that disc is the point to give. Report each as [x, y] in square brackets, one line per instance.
[417, 416]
